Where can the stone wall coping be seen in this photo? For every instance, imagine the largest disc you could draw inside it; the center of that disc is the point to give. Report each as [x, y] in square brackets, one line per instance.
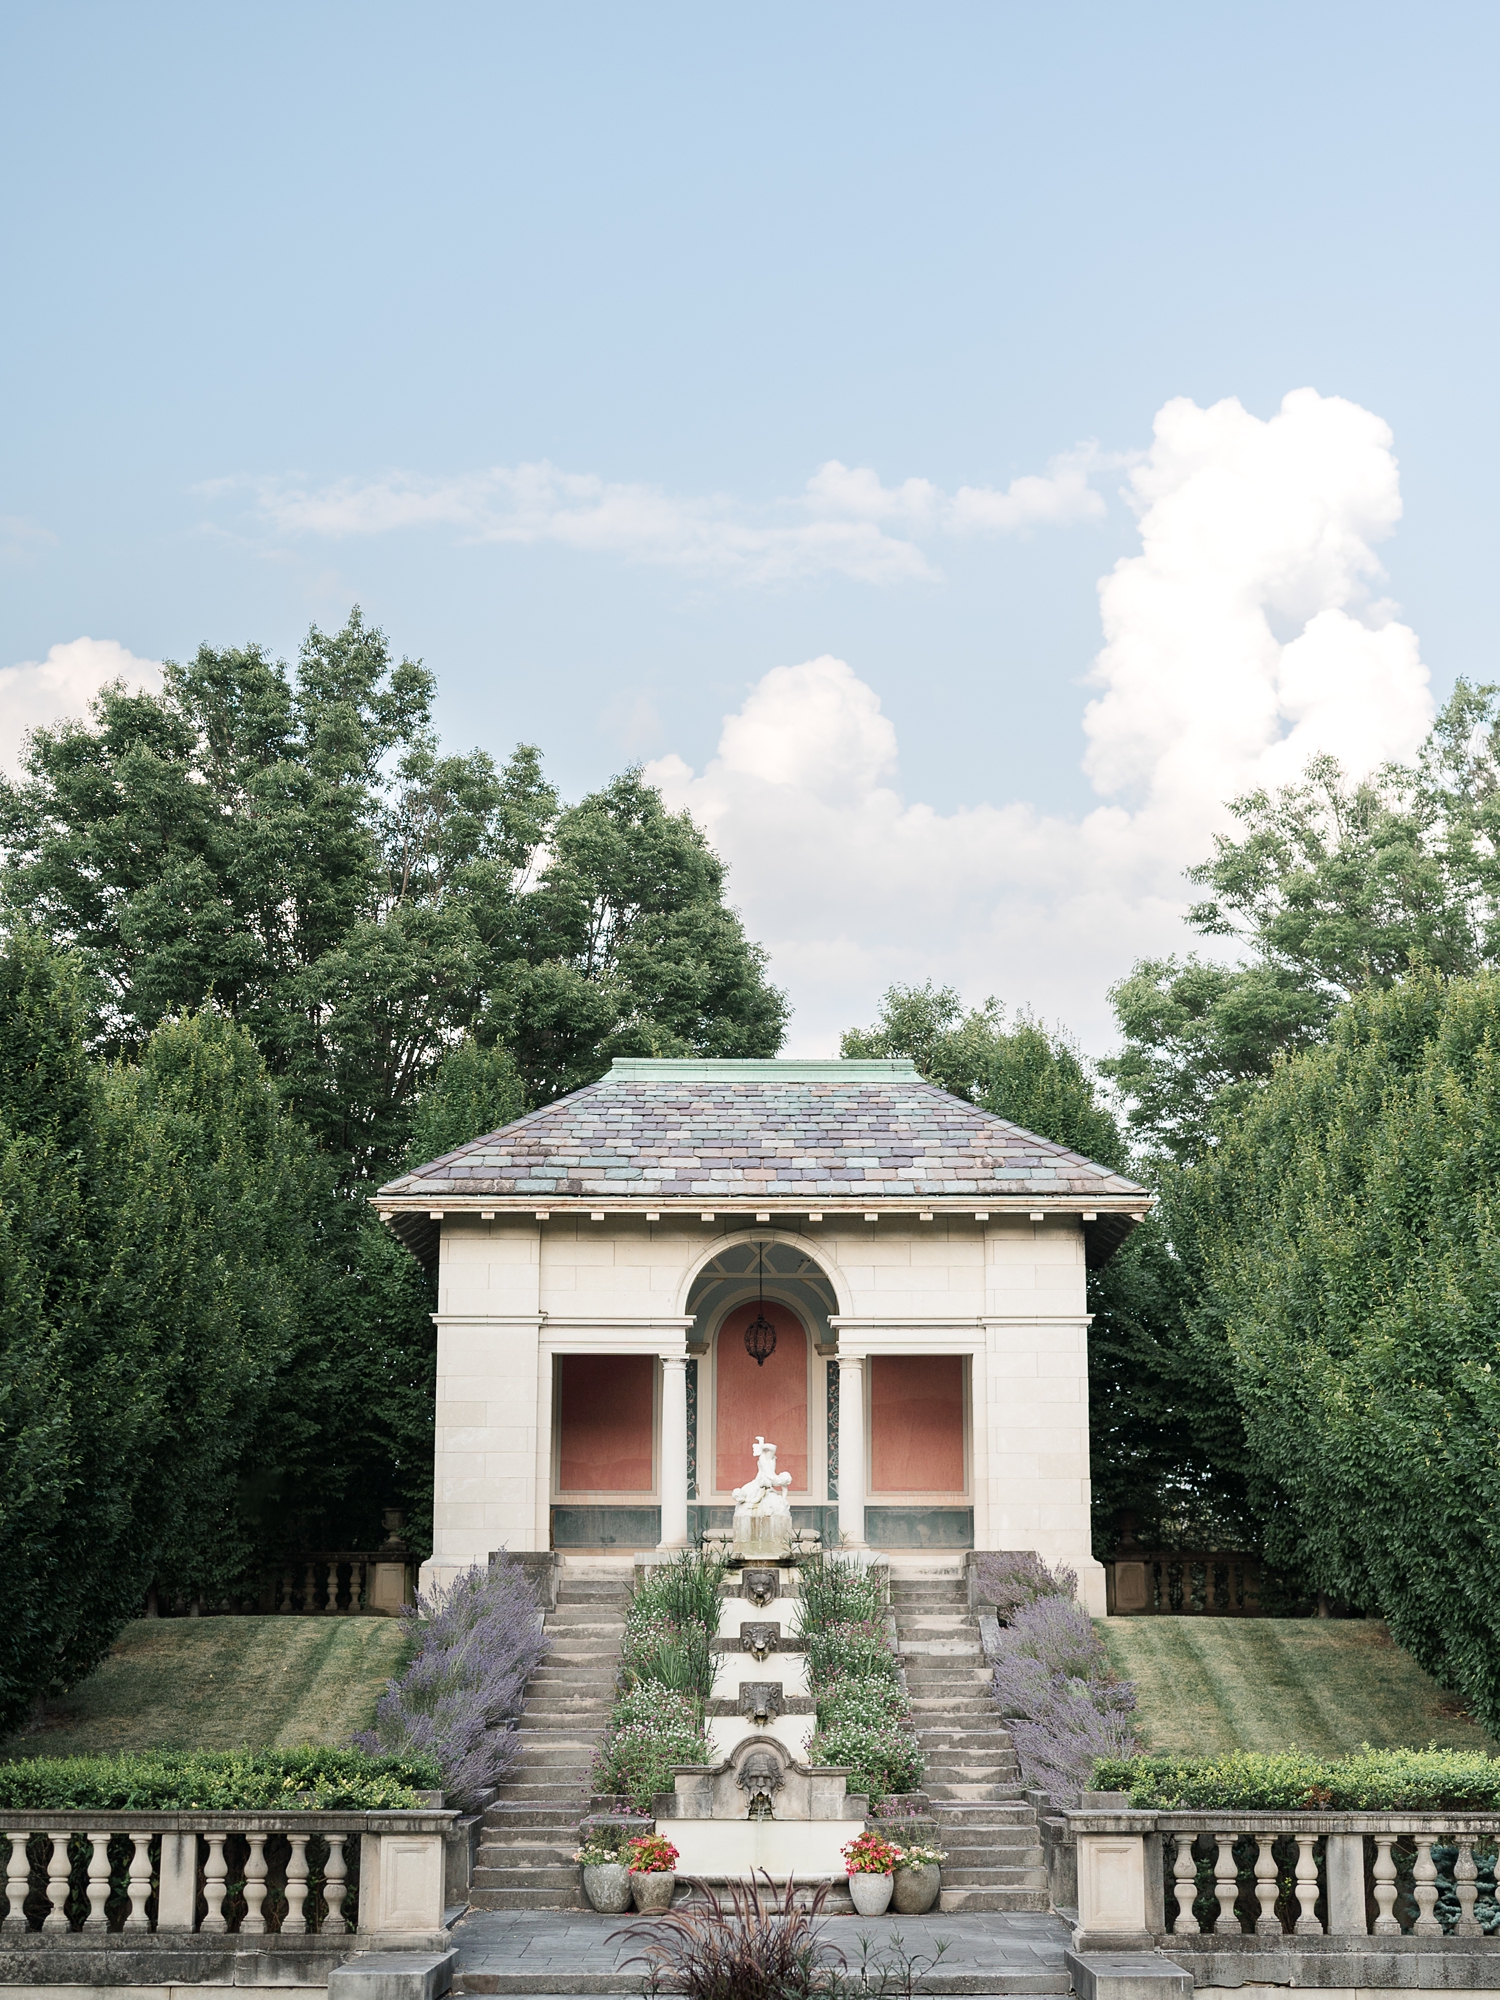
[1208, 1943]
[265, 1819]
[1167, 1819]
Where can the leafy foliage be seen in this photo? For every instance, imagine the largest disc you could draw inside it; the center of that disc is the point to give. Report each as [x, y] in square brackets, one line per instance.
[862, 1700]
[477, 1645]
[881, 1757]
[836, 1591]
[1345, 1234]
[1370, 1781]
[636, 1760]
[161, 1306]
[224, 1781]
[845, 1649]
[295, 846]
[666, 1674]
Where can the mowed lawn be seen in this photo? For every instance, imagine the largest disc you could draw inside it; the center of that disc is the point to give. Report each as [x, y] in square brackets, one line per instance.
[1324, 1684]
[224, 1683]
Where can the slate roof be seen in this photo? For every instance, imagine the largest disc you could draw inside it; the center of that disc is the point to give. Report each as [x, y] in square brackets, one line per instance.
[814, 1133]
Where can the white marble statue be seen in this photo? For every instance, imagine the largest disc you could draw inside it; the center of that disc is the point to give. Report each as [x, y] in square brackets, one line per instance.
[762, 1512]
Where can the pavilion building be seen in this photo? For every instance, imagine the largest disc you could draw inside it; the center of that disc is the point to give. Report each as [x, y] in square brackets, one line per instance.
[638, 1280]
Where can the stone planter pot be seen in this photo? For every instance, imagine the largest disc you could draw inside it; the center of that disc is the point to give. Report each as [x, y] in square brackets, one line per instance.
[916, 1890]
[653, 1893]
[608, 1888]
[871, 1894]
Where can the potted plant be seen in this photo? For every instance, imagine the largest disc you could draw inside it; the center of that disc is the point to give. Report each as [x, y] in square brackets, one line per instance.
[870, 1861]
[606, 1875]
[919, 1876]
[652, 1861]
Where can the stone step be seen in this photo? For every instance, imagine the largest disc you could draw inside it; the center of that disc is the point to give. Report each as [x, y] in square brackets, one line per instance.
[521, 1899]
[561, 1876]
[976, 1900]
[563, 1727]
[1012, 1875]
[961, 1793]
[556, 1793]
[527, 1854]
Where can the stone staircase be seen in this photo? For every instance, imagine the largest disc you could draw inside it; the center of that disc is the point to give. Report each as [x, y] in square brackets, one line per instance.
[985, 1824]
[530, 1832]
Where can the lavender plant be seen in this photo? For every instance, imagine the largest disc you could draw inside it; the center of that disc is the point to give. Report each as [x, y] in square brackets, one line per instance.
[477, 1644]
[1065, 1704]
[1014, 1579]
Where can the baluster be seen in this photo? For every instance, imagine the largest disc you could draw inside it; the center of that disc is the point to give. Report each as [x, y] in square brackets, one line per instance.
[1226, 1882]
[215, 1874]
[286, 1590]
[1425, 1889]
[297, 1898]
[98, 1885]
[1185, 1886]
[1385, 1886]
[1307, 1924]
[17, 1883]
[1465, 1881]
[1266, 1885]
[310, 1590]
[335, 1885]
[356, 1586]
[138, 1883]
[255, 1885]
[331, 1607]
[59, 1867]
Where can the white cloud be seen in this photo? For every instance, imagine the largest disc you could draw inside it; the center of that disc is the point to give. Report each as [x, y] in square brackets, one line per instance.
[43, 691]
[844, 521]
[1237, 644]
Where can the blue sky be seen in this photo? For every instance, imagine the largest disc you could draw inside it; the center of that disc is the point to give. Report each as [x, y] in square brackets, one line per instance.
[287, 285]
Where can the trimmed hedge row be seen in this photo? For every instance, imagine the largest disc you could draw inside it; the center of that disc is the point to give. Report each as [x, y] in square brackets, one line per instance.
[1430, 1780]
[309, 1780]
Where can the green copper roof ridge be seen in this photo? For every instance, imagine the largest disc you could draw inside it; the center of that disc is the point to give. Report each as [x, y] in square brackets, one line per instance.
[751, 1069]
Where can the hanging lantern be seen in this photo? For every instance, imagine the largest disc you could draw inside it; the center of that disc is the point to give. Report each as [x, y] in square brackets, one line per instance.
[760, 1340]
[760, 1335]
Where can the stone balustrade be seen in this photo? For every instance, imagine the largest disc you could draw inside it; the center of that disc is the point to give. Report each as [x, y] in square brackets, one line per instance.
[386, 1876]
[1232, 1877]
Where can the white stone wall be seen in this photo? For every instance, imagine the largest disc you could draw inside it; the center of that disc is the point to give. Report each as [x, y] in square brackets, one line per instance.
[1009, 1292]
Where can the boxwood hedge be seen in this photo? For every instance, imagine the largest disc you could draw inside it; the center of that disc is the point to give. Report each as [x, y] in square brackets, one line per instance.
[227, 1780]
[1430, 1780]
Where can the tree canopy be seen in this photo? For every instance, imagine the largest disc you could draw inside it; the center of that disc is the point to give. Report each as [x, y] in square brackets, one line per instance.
[1334, 888]
[1348, 1279]
[293, 846]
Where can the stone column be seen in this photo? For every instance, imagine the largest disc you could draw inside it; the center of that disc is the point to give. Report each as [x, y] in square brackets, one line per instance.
[852, 1450]
[674, 1443]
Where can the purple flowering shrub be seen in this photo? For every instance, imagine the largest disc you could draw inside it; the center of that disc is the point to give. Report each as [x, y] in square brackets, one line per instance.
[1011, 1580]
[478, 1643]
[1065, 1704]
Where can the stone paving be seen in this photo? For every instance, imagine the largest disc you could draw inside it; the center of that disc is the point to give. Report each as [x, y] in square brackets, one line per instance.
[523, 1952]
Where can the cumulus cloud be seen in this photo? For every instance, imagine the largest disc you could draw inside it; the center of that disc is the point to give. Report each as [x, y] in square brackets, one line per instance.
[43, 691]
[844, 522]
[1241, 640]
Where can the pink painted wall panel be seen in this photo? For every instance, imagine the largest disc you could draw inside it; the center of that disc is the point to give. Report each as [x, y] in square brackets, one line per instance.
[768, 1401]
[917, 1423]
[605, 1417]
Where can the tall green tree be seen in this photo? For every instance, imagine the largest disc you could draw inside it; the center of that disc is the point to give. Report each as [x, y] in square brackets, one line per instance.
[294, 846]
[159, 1273]
[1167, 1442]
[1332, 888]
[1348, 1275]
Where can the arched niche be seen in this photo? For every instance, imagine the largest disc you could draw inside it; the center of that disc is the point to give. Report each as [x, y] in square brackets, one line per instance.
[783, 1399]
